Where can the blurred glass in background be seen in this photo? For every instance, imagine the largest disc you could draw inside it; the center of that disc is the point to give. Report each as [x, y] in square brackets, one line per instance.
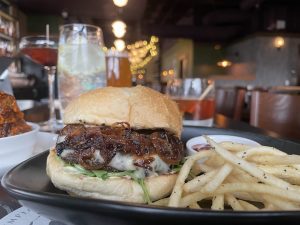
[81, 61]
[195, 98]
[118, 72]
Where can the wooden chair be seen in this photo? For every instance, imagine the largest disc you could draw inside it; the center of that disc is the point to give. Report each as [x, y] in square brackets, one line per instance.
[276, 112]
[230, 102]
[285, 89]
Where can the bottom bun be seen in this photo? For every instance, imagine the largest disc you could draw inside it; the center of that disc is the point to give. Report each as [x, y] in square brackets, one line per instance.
[116, 188]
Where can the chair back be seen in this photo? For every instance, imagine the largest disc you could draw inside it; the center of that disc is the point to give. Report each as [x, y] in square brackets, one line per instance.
[230, 102]
[285, 89]
[276, 112]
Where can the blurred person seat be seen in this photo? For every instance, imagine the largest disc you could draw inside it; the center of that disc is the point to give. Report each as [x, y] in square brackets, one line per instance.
[230, 102]
[276, 112]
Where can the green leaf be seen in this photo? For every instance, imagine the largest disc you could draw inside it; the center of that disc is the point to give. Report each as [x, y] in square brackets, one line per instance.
[176, 168]
[84, 171]
[141, 182]
[104, 175]
[101, 174]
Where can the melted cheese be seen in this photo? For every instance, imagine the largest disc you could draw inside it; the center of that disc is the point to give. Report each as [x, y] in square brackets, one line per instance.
[66, 152]
[61, 138]
[123, 162]
[98, 157]
[126, 162]
[159, 165]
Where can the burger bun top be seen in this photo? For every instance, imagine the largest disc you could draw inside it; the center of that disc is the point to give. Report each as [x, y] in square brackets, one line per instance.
[141, 107]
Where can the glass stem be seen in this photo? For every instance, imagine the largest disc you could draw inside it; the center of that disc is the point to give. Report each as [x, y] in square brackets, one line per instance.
[51, 70]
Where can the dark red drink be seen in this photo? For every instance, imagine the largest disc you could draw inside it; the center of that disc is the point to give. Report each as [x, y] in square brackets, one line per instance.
[42, 55]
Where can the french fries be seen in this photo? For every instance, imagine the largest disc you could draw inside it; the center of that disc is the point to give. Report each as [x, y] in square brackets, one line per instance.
[184, 172]
[235, 147]
[233, 202]
[239, 177]
[218, 202]
[276, 160]
[248, 206]
[218, 179]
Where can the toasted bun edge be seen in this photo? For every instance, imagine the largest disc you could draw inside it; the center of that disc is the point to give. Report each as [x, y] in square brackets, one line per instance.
[120, 189]
[141, 107]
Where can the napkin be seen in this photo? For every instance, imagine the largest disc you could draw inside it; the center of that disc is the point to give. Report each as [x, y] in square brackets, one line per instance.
[25, 216]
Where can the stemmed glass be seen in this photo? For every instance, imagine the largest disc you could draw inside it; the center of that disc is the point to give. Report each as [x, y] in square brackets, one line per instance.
[43, 50]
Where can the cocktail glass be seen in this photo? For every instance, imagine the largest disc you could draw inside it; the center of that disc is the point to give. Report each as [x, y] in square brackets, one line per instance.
[43, 50]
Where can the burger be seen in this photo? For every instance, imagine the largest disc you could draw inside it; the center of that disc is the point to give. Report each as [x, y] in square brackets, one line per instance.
[118, 144]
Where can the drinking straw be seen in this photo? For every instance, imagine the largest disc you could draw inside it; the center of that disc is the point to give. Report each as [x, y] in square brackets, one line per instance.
[206, 91]
[47, 33]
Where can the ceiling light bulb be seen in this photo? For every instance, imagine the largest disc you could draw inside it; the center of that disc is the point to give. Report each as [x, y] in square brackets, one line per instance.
[119, 28]
[120, 3]
[118, 24]
[119, 33]
[120, 44]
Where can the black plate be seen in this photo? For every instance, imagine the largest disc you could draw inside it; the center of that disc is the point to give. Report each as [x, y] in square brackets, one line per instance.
[29, 184]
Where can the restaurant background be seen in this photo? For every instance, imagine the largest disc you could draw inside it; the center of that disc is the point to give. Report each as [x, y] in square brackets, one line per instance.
[241, 45]
[232, 68]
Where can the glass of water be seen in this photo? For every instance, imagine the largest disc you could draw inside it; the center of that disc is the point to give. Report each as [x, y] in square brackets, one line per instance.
[81, 61]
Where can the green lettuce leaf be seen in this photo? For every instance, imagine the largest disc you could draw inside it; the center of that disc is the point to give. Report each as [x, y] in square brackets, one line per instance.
[84, 171]
[104, 175]
[141, 182]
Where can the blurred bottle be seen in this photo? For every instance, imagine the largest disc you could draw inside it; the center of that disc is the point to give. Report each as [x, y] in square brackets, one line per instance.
[118, 72]
[294, 78]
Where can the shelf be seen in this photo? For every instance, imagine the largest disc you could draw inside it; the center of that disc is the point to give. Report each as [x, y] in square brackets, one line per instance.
[6, 16]
[6, 2]
[4, 36]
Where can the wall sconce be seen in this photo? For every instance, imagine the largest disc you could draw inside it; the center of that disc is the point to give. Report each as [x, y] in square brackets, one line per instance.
[164, 73]
[168, 73]
[224, 63]
[278, 42]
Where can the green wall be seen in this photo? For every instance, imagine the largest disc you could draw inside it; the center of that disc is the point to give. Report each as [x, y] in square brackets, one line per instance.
[181, 49]
[206, 58]
[36, 24]
[200, 58]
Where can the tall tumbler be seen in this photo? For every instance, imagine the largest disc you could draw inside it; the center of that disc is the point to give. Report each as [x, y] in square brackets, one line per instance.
[118, 69]
[81, 61]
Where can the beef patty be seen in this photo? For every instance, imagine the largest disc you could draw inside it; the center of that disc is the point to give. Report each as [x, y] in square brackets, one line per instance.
[94, 147]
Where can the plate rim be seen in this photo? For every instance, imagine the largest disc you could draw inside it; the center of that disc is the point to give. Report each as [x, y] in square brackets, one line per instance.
[118, 206]
[75, 202]
[54, 199]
